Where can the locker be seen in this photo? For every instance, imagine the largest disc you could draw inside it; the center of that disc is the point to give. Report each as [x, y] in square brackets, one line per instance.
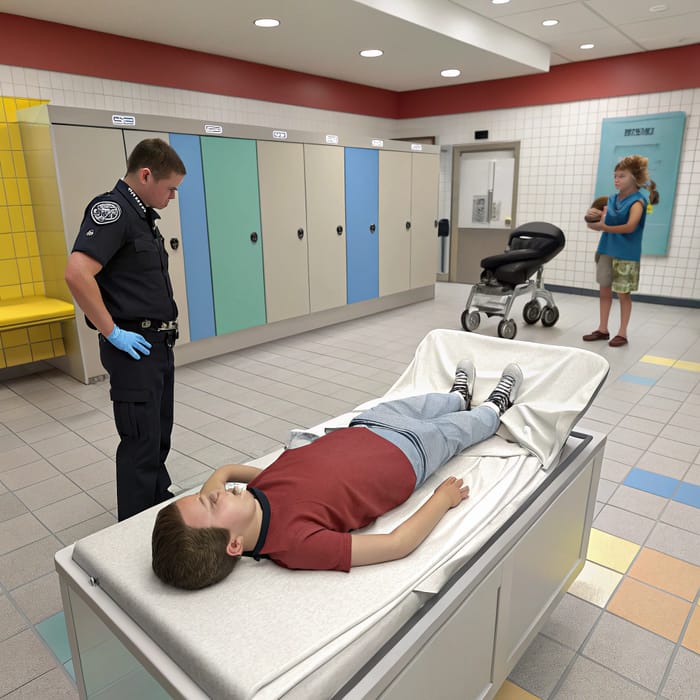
[195, 239]
[362, 215]
[325, 217]
[424, 208]
[170, 229]
[88, 161]
[270, 230]
[283, 217]
[235, 246]
[394, 222]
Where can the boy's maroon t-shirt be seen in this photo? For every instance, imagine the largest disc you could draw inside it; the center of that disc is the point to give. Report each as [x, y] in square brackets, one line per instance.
[318, 493]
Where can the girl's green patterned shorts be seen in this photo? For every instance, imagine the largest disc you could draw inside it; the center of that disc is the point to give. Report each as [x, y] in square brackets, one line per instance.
[621, 275]
[625, 276]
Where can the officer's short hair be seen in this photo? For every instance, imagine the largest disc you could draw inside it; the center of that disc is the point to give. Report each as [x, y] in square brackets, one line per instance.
[189, 557]
[156, 155]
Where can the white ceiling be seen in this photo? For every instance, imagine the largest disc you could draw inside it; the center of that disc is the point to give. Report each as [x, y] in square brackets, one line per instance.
[419, 37]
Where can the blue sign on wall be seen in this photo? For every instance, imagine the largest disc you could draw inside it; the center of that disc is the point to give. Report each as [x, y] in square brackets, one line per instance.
[659, 138]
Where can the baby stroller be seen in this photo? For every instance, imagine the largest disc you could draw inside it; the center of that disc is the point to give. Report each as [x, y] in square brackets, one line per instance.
[507, 276]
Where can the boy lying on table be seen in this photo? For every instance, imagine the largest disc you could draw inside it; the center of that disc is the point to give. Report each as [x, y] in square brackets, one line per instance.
[301, 510]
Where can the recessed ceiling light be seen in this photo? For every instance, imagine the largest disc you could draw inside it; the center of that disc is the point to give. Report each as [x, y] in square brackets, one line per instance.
[500, 2]
[371, 53]
[658, 8]
[585, 47]
[266, 22]
[550, 22]
[450, 72]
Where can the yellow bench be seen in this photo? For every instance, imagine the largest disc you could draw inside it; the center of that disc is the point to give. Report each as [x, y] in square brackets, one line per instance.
[30, 329]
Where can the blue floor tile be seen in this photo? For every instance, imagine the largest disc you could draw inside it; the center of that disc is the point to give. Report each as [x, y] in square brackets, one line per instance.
[636, 379]
[651, 482]
[688, 494]
[53, 632]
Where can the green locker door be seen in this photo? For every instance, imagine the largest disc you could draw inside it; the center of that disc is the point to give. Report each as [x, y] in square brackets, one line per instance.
[235, 243]
[283, 215]
[424, 208]
[394, 215]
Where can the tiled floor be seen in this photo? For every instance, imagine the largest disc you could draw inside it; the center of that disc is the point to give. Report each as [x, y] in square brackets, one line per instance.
[628, 628]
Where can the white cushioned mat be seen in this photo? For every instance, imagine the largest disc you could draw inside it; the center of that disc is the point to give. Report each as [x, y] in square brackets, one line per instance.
[265, 629]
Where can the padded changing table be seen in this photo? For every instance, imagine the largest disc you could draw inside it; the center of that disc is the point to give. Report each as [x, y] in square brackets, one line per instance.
[455, 630]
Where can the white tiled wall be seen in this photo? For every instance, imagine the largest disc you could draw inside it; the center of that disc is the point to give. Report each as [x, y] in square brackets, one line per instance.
[559, 147]
[558, 156]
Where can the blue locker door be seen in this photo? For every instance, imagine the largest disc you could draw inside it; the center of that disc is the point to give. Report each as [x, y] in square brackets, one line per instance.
[195, 239]
[362, 216]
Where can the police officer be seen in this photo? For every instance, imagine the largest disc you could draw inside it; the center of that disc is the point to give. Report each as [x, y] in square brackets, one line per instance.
[118, 274]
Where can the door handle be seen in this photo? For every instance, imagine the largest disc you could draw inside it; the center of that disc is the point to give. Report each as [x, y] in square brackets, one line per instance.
[174, 243]
[254, 237]
[408, 225]
[339, 230]
[372, 228]
[300, 233]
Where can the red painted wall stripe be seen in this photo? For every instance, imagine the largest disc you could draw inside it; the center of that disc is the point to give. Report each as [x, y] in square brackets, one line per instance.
[50, 46]
[634, 74]
[44, 45]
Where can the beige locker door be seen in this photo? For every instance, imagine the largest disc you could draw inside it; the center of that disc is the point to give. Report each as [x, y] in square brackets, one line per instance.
[89, 161]
[424, 208]
[394, 214]
[325, 215]
[283, 220]
[169, 226]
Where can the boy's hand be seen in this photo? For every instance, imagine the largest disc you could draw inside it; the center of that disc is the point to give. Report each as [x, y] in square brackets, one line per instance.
[453, 490]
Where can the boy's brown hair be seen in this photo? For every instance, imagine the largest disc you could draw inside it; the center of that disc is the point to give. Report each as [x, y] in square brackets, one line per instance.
[189, 557]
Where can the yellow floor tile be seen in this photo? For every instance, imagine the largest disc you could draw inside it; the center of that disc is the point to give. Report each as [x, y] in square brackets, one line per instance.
[690, 366]
[595, 584]
[647, 607]
[668, 573]
[510, 691]
[691, 640]
[654, 360]
[610, 551]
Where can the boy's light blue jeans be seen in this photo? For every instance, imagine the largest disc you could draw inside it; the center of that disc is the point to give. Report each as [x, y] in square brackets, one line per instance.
[429, 429]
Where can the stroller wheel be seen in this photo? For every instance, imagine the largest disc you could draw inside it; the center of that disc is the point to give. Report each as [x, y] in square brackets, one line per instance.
[470, 320]
[550, 315]
[507, 329]
[532, 312]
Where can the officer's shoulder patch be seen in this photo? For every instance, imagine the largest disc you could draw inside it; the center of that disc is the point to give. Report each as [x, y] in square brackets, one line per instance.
[105, 212]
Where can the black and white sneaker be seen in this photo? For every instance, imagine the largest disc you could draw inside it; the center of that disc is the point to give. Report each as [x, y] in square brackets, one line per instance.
[505, 392]
[465, 374]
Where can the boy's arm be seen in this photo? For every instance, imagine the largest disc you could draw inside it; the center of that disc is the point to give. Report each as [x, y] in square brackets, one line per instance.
[229, 472]
[373, 549]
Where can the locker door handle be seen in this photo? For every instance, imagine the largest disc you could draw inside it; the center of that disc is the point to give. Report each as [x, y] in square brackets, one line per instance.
[408, 225]
[174, 243]
[372, 228]
[339, 230]
[300, 233]
[254, 237]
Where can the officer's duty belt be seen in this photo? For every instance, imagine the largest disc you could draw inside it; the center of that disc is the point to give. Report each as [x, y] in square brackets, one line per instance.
[148, 324]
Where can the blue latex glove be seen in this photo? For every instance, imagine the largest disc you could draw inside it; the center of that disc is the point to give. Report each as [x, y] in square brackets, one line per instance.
[133, 343]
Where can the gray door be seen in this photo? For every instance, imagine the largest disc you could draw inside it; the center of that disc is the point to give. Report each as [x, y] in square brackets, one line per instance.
[484, 187]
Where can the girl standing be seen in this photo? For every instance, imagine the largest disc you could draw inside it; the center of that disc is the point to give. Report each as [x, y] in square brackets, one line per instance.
[620, 247]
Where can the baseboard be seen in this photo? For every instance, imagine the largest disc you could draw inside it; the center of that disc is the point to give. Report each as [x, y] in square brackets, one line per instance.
[643, 298]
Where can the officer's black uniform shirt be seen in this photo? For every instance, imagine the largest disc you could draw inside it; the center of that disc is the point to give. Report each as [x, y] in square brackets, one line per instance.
[121, 234]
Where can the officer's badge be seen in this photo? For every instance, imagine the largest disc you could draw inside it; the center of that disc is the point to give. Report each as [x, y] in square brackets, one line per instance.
[105, 212]
[91, 232]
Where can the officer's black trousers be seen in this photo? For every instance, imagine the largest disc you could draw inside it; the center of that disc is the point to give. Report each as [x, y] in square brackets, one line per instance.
[142, 397]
